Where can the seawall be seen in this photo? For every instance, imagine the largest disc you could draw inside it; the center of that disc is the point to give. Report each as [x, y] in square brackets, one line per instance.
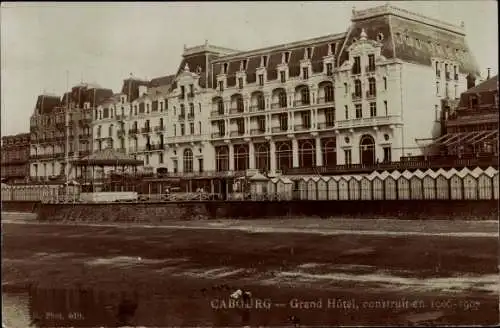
[27, 206]
[161, 212]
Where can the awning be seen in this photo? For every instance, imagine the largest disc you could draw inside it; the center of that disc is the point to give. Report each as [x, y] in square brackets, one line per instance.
[489, 136]
[465, 138]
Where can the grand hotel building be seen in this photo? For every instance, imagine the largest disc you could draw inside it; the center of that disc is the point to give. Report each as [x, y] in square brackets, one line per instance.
[359, 97]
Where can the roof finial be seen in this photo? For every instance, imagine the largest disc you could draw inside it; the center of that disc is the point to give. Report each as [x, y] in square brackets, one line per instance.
[362, 36]
[353, 10]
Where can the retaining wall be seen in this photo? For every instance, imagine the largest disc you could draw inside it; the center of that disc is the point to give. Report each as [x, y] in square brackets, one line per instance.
[20, 206]
[163, 212]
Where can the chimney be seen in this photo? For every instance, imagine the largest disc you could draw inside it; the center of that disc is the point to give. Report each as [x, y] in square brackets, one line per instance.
[489, 74]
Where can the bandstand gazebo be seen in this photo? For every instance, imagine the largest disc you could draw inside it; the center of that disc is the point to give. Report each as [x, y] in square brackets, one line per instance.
[107, 171]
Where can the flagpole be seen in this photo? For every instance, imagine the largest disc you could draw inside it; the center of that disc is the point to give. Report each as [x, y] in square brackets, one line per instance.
[66, 155]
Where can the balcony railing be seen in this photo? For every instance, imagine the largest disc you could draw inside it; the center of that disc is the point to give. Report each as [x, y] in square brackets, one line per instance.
[133, 131]
[255, 108]
[236, 110]
[257, 132]
[278, 105]
[218, 135]
[159, 128]
[181, 117]
[325, 100]
[146, 129]
[237, 133]
[370, 68]
[302, 102]
[191, 116]
[411, 164]
[216, 113]
[278, 129]
[326, 126]
[356, 96]
[190, 95]
[84, 136]
[301, 127]
[371, 94]
[182, 96]
[369, 121]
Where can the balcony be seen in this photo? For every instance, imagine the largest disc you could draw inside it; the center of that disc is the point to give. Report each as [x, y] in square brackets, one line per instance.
[216, 113]
[257, 132]
[159, 128]
[133, 131]
[369, 122]
[84, 136]
[146, 129]
[236, 110]
[190, 95]
[278, 105]
[120, 117]
[181, 117]
[356, 70]
[410, 164]
[255, 108]
[356, 96]
[84, 153]
[326, 126]
[218, 135]
[298, 103]
[237, 133]
[120, 133]
[191, 116]
[370, 68]
[302, 127]
[182, 96]
[279, 129]
[325, 100]
[370, 94]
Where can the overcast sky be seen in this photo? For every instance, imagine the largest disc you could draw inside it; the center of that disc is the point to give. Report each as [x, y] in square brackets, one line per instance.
[105, 42]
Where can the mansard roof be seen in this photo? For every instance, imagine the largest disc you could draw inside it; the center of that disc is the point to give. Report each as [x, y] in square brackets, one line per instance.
[162, 80]
[411, 37]
[108, 157]
[490, 85]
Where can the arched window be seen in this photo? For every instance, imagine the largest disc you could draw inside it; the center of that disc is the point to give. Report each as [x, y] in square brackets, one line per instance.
[284, 156]
[329, 96]
[222, 158]
[282, 99]
[357, 88]
[329, 153]
[262, 157]
[304, 96]
[306, 154]
[188, 160]
[241, 158]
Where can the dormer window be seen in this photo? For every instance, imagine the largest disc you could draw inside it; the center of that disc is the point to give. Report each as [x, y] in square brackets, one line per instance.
[380, 37]
[243, 64]
[333, 48]
[473, 102]
[240, 83]
[264, 61]
[225, 68]
[221, 85]
[309, 53]
[305, 73]
[286, 57]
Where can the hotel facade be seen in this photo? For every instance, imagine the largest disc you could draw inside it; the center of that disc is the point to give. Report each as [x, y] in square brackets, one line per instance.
[364, 96]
